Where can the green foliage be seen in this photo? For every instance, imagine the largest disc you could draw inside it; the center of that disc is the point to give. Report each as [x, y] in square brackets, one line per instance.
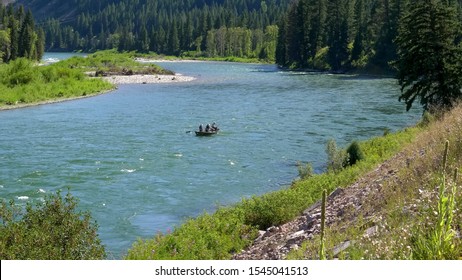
[112, 62]
[429, 57]
[22, 82]
[427, 119]
[322, 252]
[336, 158]
[52, 230]
[19, 72]
[438, 241]
[214, 236]
[305, 170]
[19, 36]
[165, 26]
[361, 34]
[354, 153]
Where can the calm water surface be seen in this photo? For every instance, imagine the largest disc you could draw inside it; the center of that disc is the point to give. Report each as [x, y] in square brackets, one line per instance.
[129, 157]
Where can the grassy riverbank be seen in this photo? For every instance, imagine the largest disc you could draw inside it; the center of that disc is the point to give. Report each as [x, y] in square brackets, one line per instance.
[231, 229]
[23, 83]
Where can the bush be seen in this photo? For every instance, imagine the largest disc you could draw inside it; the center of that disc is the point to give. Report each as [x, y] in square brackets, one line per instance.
[336, 158]
[427, 119]
[52, 230]
[19, 72]
[355, 153]
[305, 170]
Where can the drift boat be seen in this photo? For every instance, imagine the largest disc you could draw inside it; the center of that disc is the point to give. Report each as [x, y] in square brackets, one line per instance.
[206, 133]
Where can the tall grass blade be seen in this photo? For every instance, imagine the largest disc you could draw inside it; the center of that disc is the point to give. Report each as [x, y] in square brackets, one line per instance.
[322, 253]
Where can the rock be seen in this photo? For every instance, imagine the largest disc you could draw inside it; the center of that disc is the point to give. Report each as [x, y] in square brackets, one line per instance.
[273, 229]
[371, 231]
[340, 248]
[335, 193]
[296, 234]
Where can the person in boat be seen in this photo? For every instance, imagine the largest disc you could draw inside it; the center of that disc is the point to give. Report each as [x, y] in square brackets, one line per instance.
[207, 128]
[214, 127]
[201, 128]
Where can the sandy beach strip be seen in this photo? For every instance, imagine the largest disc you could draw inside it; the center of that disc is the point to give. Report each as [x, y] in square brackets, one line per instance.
[147, 79]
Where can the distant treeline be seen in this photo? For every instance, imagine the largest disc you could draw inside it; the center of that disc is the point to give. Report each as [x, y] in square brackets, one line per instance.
[245, 28]
[19, 37]
[339, 35]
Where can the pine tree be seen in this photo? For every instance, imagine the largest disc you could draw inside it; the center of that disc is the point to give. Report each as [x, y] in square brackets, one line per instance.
[27, 37]
[173, 40]
[281, 47]
[13, 26]
[318, 26]
[5, 44]
[338, 35]
[430, 62]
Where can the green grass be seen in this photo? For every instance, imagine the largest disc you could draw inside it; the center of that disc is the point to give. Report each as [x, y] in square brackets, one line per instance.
[113, 62]
[22, 82]
[230, 229]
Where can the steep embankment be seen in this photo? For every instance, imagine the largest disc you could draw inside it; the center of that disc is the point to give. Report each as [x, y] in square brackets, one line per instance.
[393, 212]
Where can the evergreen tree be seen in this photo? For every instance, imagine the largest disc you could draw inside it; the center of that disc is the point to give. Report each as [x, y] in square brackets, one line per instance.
[361, 29]
[338, 35]
[27, 36]
[173, 40]
[385, 48]
[13, 26]
[281, 47]
[106, 23]
[318, 26]
[5, 44]
[18, 35]
[429, 60]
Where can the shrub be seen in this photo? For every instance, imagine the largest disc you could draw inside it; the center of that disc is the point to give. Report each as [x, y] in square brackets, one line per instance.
[336, 158]
[305, 170]
[427, 119]
[19, 72]
[355, 153]
[52, 230]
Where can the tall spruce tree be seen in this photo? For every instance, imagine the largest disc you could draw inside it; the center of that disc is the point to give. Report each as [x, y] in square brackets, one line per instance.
[338, 36]
[429, 57]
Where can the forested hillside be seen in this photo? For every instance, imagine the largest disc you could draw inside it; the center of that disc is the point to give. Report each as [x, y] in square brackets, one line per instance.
[335, 35]
[245, 28]
[339, 35]
[19, 37]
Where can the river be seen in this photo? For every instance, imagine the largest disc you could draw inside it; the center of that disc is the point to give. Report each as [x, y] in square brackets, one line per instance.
[130, 158]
